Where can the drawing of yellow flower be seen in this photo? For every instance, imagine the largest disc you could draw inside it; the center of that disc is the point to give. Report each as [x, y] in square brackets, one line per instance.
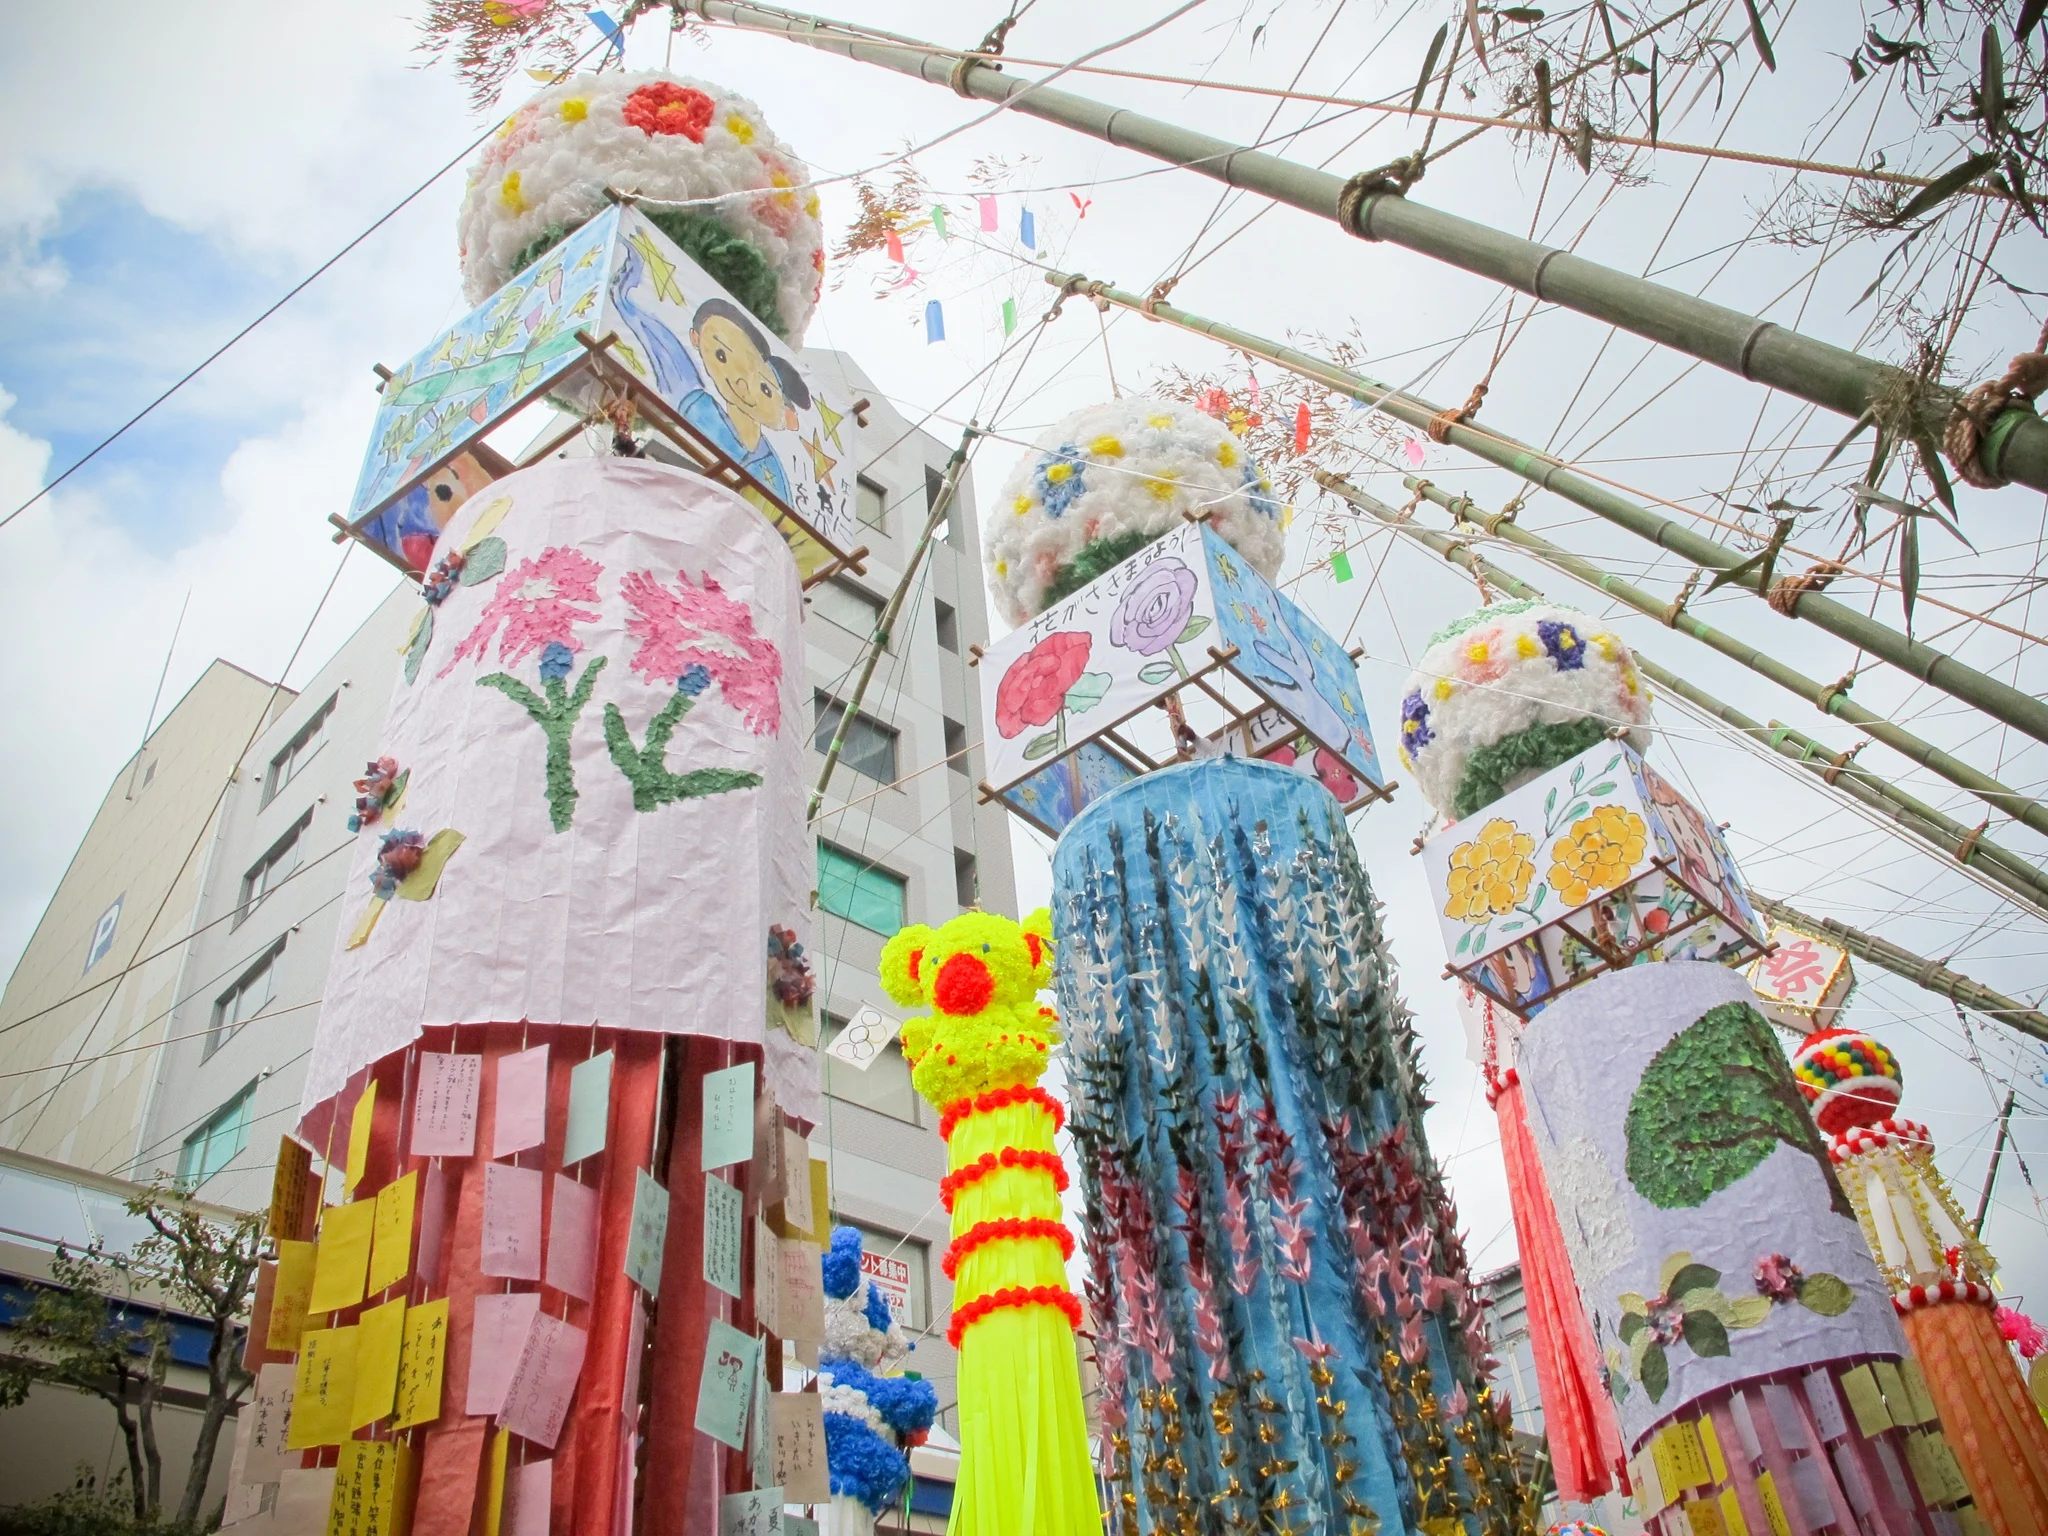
[1597, 854]
[1491, 873]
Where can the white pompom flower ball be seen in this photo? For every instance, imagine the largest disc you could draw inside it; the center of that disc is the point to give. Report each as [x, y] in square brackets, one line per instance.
[1109, 480]
[1509, 692]
[666, 138]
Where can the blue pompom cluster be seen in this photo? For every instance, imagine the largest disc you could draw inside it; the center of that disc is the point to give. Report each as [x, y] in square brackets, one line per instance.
[864, 1465]
[842, 1263]
[907, 1404]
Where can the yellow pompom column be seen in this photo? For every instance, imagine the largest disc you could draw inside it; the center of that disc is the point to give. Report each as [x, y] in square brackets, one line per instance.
[1025, 1468]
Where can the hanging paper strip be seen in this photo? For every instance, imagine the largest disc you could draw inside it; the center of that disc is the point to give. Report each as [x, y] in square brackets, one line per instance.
[934, 323]
[894, 243]
[1027, 230]
[939, 221]
[987, 205]
[1009, 316]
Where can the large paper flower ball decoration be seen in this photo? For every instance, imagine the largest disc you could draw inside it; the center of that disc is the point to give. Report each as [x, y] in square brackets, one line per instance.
[1509, 692]
[1850, 1079]
[1109, 480]
[657, 136]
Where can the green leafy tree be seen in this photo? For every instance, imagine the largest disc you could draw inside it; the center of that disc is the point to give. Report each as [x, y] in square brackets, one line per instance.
[1712, 1105]
[99, 1326]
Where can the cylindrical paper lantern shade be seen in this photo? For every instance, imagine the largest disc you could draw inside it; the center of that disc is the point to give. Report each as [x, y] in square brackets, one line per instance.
[1711, 1239]
[602, 703]
[1282, 1316]
[977, 1058]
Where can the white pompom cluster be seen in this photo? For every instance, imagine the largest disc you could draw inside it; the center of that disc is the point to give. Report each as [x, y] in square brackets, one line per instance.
[1110, 479]
[667, 138]
[1510, 691]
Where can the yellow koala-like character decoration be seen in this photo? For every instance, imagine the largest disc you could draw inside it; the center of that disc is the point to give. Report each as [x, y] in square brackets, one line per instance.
[980, 975]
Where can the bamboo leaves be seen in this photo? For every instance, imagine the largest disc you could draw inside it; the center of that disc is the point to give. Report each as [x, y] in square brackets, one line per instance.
[1436, 48]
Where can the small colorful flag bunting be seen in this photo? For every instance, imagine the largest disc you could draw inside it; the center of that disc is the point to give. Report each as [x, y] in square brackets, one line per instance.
[1414, 453]
[611, 30]
[1340, 565]
[939, 222]
[988, 214]
[895, 244]
[1009, 316]
[1301, 427]
[1027, 230]
[934, 323]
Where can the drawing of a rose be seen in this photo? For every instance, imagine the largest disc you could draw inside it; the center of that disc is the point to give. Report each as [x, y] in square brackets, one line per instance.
[1155, 609]
[1158, 614]
[1043, 685]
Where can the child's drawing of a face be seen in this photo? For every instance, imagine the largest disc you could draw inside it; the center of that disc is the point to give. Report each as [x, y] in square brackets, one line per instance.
[743, 378]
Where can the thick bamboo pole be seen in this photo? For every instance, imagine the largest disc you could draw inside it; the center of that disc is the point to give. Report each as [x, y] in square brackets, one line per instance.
[1931, 974]
[1833, 698]
[1936, 668]
[1370, 206]
[1966, 845]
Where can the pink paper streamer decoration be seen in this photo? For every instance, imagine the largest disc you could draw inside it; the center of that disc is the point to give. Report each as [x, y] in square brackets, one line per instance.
[572, 1239]
[537, 1400]
[987, 205]
[502, 1323]
[533, 1491]
[444, 1111]
[511, 1237]
[522, 1112]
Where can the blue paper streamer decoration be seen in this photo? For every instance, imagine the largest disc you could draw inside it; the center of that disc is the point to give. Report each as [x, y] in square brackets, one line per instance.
[934, 323]
[1027, 230]
[1276, 1275]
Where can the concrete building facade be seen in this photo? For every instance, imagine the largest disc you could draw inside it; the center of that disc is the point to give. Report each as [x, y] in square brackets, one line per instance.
[900, 839]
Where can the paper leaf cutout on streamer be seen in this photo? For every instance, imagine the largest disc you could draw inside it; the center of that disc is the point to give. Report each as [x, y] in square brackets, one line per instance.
[1829, 1295]
[486, 559]
[419, 885]
[1711, 1106]
[416, 647]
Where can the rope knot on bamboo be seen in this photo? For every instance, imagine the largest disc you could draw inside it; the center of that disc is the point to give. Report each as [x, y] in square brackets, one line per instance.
[1972, 424]
[1785, 592]
[1441, 423]
[1396, 177]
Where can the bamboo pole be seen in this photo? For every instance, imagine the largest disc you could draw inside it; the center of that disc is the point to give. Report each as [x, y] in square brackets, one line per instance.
[1930, 974]
[1831, 698]
[1938, 669]
[1370, 206]
[2011, 873]
[879, 641]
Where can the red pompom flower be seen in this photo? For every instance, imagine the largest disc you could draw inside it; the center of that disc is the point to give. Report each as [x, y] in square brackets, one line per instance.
[665, 107]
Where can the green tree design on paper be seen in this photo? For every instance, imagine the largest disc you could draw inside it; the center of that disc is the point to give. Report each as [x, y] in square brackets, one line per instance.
[1710, 1108]
[646, 768]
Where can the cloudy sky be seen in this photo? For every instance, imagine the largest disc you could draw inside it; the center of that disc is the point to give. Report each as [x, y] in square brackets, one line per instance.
[161, 183]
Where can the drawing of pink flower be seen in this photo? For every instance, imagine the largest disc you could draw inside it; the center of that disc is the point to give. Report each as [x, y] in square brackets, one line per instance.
[694, 626]
[535, 604]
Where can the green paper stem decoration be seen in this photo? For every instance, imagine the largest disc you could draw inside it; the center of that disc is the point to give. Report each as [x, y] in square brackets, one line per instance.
[646, 768]
[556, 716]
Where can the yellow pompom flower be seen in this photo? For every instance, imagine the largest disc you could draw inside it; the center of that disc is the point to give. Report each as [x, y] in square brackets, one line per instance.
[1491, 873]
[1106, 448]
[1526, 646]
[575, 109]
[1162, 421]
[1597, 853]
[1021, 505]
[1162, 487]
[1226, 455]
[740, 128]
[508, 193]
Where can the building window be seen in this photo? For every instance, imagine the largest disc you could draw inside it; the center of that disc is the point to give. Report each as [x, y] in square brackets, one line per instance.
[853, 609]
[948, 624]
[274, 868]
[956, 748]
[871, 504]
[897, 1267]
[851, 887]
[214, 1145]
[103, 933]
[870, 746]
[883, 1086]
[248, 997]
[297, 752]
[966, 878]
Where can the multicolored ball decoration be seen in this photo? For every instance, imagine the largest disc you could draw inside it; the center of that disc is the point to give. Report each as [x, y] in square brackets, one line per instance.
[1510, 691]
[752, 222]
[1575, 1528]
[1107, 481]
[1850, 1079]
